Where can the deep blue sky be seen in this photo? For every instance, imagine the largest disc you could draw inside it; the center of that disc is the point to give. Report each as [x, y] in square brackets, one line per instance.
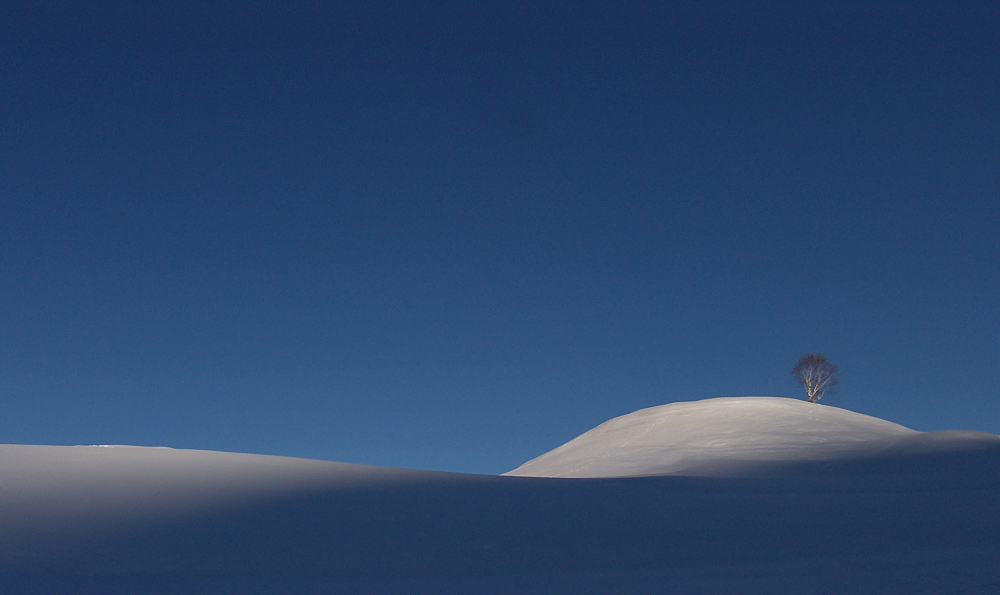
[455, 237]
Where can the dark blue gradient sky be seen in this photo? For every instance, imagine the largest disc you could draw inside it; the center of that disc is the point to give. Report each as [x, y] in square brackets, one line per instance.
[455, 236]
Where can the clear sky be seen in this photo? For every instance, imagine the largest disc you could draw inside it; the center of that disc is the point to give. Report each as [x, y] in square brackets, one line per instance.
[455, 236]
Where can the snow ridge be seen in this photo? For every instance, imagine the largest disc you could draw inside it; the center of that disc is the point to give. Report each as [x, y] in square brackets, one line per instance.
[728, 436]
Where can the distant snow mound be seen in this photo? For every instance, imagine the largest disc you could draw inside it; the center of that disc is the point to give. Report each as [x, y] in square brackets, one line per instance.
[729, 436]
[119, 446]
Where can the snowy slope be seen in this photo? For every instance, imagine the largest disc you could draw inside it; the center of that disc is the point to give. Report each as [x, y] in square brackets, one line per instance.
[729, 436]
[916, 516]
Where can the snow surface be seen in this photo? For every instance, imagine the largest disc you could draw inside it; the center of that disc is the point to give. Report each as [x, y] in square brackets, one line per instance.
[730, 436]
[894, 511]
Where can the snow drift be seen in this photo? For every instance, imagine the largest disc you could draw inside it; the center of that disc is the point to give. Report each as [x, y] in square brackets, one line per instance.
[733, 436]
[884, 516]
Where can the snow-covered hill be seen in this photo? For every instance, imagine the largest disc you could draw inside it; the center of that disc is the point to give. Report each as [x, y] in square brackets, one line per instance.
[895, 512]
[732, 436]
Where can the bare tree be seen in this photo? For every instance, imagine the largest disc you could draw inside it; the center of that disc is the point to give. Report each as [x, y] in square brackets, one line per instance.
[816, 374]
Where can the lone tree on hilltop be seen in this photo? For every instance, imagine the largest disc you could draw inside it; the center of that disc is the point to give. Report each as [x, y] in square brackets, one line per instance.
[816, 374]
